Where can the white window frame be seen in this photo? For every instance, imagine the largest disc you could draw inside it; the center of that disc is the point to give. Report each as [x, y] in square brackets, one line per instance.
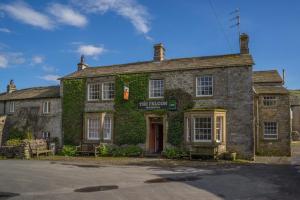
[95, 128]
[211, 129]
[269, 101]
[11, 107]
[268, 134]
[188, 130]
[220, 128]
[107, 127]
[103, 91]
[152, 89]
[45, 134]
[97, 96]
[197, 86]
[46, 107]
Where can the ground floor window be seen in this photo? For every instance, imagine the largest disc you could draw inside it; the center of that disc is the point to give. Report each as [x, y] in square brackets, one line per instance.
[107, 127]
[46, 135]
[93, 125]
[270, 130]
[205, 126]
[202, 129]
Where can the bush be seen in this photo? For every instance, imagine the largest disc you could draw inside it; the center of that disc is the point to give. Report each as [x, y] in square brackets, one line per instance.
[113, 150]
[14, 142]
[68, 150]
[174, 153]
[16, 134]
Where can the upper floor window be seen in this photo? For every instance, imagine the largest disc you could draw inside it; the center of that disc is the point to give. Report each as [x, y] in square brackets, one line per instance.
[270, 130]
[269, 101]
[11, 107]
[93, 91]
[202, 129]
[46, 135]
[219, 128]
[204, 86]
[93, 127]
[108, 91]
[156, 88]
[107, 127]
[46, 107]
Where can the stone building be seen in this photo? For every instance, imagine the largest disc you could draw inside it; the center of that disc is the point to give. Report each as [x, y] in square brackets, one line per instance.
[271, 114]
[35, 110]
[220, 89]
[295, 108]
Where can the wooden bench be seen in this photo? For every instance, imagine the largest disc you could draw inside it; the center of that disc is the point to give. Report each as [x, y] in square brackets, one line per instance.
[87, 149]
[203, 150]
[38, 147]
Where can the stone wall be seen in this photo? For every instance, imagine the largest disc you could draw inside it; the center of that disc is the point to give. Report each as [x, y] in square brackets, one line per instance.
[2, 108]
[232, 91]
[280, 114]
[28, 115]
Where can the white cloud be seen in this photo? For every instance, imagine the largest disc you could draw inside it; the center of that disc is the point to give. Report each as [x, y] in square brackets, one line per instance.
[3, 61]
[48, 69]
[136, 13]
[50, 77]
[5, 30]
[37, 60]
[67, 15]
[24, 13]
[90, 50]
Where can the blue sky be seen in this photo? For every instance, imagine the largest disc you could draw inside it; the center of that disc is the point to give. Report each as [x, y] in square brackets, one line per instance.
[43, 40]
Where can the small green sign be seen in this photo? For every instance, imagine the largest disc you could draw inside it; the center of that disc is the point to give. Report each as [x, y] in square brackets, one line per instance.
[172, 104]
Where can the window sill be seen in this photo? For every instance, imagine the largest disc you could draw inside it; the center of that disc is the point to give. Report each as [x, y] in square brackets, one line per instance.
[203, 97]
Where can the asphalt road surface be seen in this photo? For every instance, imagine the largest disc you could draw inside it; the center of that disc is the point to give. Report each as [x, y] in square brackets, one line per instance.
[21, 179]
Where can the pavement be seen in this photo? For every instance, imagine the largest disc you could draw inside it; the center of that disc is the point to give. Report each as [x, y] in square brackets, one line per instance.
[34, 179]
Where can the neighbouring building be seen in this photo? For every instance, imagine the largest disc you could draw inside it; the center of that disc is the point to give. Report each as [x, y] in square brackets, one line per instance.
[295, 108]
[272, 116]
[34, 110]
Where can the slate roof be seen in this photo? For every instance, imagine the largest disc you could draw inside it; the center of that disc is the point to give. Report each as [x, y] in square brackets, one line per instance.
[271, 76]
[32, 93]
[258, 89]
[230, 60]
[295, 97]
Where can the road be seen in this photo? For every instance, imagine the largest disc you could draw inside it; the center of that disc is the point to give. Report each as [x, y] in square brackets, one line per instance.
[32, 179]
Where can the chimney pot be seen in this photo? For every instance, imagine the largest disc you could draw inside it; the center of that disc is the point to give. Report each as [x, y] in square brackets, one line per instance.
[159, 52]
[11, 87]
[81, 65]
[244, 41]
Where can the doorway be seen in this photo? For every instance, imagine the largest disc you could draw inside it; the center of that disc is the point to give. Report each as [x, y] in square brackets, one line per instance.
[156, 135]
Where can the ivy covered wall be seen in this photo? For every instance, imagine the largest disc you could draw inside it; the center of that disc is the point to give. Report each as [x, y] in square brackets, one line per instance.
[130, 123]
[73, 107]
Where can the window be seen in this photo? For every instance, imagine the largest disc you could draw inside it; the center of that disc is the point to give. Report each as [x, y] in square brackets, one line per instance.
[93, 128]
[270, 130]
[219, 128]
[108, 91]
[93, 91]
[46, 135]
[107, 128]
[204, 86]
[46, 107]
[11, 107]
[202, 129]
[269, 101]
[156, 88]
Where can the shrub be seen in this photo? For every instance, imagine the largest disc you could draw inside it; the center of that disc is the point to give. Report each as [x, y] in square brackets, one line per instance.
[105, 150]
[16, 134]
[131, 150]
[14, 142]
[113, 150]
[174, 153]
[68, 150]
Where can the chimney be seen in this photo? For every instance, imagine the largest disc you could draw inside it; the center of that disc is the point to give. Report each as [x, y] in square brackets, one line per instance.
[81, 65]
[159, 52]
[11, 87]
[283, 76]
[244, 41]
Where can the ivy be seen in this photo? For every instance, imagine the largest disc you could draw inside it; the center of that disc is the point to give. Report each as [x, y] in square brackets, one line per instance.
[73, 108]
[176, 118]
[130, 123]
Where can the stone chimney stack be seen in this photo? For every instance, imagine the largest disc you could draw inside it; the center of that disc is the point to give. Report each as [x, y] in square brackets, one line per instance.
[244, 41]
[159, 52]
[81, 65]
[11, 87]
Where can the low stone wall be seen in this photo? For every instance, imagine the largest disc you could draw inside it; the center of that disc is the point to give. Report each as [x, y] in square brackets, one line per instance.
[22, 151]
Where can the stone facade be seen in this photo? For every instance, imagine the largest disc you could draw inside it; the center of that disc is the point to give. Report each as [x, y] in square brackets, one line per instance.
[28, 114]
[277, 113]
[295, 108]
